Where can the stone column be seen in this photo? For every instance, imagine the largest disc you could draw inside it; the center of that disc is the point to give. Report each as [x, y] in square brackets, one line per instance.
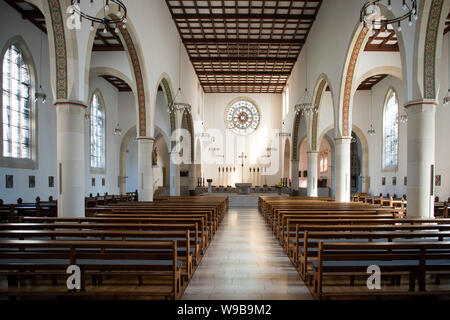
[313, 158]
[174, 178]
[145, 169]
[294, 174]
[421, 149]
[70, 158]
[343, 168]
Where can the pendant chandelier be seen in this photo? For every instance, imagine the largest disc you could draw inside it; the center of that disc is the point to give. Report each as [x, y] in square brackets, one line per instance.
[40, 94]
[116, 19]
[402, 118]
[305, 106]
[118, 130]
[371, 131]
[447, 98]
[370, 15]
[179, 102]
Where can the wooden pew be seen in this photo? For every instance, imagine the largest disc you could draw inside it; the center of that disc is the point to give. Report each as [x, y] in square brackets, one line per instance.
[158, 219]
[307, 249]
[115, 260]
[185, 253]
[416, 259]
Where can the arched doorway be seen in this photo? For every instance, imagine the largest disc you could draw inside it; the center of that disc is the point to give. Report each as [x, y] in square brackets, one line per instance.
[287, 160]
[161, 165]
[355, 164]
[128, 179]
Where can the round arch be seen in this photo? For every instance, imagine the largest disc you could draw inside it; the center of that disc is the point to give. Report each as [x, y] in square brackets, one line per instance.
[322, 84]
[429, 40]
[123, 159]
[60, 49]
[348, 82]
[392, 71]
[161, 144]
[136, 62]
[166, 85]
[365, 158]
[105, 71]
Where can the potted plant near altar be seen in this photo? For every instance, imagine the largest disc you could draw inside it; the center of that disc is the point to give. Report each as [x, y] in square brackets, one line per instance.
[279, 186]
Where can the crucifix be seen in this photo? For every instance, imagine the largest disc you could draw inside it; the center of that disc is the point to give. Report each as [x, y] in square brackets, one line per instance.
[242, 157]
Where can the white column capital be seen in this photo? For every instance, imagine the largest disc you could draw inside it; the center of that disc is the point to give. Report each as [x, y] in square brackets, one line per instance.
[342, 138]
[145, 139]
[421, 102]
[78, 103]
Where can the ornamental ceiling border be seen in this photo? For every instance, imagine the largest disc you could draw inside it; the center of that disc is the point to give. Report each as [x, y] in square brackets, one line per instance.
[190, 128]
[315, 121]
[349, 81]
[295, 137]
[431, 37]
[169, 98]
[60, 48]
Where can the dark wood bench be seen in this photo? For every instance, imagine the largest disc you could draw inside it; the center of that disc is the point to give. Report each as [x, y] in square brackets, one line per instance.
[416, 259]
[112, 260]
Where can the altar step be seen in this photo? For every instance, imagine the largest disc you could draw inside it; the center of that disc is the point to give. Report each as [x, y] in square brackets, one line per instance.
[243, 200]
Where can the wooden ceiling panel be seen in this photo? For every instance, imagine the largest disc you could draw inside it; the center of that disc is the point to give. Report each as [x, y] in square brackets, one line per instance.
[106, 39]
[243, 46]
[120, 85]
[383, 39]
[372, 81]
[29, 12]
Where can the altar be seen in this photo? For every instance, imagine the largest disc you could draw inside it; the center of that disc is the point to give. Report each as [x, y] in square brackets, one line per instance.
[243, 188]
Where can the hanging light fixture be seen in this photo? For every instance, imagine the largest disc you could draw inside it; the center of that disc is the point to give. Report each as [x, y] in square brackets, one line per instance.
[447, 98]
[402, 118]
[371, 131]
[119, 19]
[370, 14]
[305, 106]
[179, 102]
[40, 93]
[118, 130]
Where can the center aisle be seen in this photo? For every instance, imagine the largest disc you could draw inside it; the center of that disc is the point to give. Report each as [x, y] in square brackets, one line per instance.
[244, 261]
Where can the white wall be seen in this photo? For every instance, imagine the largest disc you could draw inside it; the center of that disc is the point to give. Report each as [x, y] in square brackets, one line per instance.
[110, 97]
[376, 171]
[253, 145]
[443, 128]
[12, 24]
[131, 165]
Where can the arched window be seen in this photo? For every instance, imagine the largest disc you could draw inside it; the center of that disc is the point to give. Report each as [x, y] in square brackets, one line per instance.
[98, 130]
[16, 105]
[390, 131]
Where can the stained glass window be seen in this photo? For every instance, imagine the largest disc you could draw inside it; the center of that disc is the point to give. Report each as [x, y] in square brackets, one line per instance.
[16, 105]
[242, 117]
[98, 153]
[390, 132]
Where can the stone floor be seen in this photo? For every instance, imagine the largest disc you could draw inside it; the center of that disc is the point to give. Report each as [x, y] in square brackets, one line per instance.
[245, 261]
